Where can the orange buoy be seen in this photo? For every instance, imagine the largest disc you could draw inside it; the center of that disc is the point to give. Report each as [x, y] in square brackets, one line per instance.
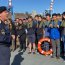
[40, 49]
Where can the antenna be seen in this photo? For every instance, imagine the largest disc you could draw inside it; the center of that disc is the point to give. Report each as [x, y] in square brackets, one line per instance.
[10, 3]
[51, 6]
[11, 9]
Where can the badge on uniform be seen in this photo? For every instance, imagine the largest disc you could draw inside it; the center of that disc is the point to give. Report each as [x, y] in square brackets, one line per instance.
[3, 31]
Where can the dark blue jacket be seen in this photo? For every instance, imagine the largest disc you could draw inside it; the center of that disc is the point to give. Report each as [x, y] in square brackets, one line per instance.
[5, 36]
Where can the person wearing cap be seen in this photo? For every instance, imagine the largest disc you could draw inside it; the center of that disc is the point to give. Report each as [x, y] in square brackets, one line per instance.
[5, 37]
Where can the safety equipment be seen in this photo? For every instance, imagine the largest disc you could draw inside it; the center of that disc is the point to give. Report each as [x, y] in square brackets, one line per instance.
[40, 49]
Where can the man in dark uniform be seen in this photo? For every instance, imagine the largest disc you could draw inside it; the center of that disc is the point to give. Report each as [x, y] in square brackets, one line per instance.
[4, 37]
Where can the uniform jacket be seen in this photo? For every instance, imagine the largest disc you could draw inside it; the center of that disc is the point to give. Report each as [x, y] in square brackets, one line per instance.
[5, 37]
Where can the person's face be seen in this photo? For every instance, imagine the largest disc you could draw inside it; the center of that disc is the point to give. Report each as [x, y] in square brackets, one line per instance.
[48, 18]
[36, 18]
[17, 20]
[64, 16]
[44, 20]
[20, 21]
[58, 17]
[4, 15]
[39, 19]
[30, 19]
[24, 20]
[54, 17]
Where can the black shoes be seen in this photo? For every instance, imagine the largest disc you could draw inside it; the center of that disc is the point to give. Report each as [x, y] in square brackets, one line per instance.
[58, 57]
[34, 53]
[24, 50]
[52, 56]
[29, 52]
[20, 50]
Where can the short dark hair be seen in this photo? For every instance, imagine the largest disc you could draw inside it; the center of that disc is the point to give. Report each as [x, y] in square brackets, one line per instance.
[29, 17]
[48, 14]
[36, 15]
[54, 14]
[39, 16]
[58, 14]
[44, 18]
[63, 13]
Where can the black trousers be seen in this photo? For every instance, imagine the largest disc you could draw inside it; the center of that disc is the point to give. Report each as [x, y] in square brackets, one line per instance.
[23, 41]
[4, 55]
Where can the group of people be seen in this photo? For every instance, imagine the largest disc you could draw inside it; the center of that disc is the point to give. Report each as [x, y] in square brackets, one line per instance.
[33, 29]
[28, 32]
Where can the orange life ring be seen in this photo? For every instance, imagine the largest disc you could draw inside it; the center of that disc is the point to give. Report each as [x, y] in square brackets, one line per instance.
[40, 49]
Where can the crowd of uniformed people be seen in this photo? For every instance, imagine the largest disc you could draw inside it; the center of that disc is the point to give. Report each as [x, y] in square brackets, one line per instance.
[25, 33]
[30, 30]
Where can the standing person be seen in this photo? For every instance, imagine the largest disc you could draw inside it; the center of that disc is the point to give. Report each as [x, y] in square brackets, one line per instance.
[55, 36]
[39, 30]
[16, 23]
[22, 36]
[46, 30]
[5, 37]
[46, 27]
[59, 17]
[25, 24]
[35, 20]
[63, 30]
[31, 35]
[12, 32]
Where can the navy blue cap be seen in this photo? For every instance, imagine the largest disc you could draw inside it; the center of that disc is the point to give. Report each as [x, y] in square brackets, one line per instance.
[3, 8]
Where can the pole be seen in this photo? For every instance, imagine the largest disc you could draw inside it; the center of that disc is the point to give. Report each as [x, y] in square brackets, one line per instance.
[51, 7]
[11, 9]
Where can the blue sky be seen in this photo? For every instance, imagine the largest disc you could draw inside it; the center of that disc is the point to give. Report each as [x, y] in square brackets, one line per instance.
[37, 5]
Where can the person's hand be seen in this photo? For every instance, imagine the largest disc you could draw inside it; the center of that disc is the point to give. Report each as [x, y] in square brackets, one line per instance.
[50, 25]
[61, 39]
[13, 36]
[58, 26]
[18, 36]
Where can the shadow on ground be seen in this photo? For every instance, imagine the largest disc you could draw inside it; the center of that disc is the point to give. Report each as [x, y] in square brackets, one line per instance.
[18, 59]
